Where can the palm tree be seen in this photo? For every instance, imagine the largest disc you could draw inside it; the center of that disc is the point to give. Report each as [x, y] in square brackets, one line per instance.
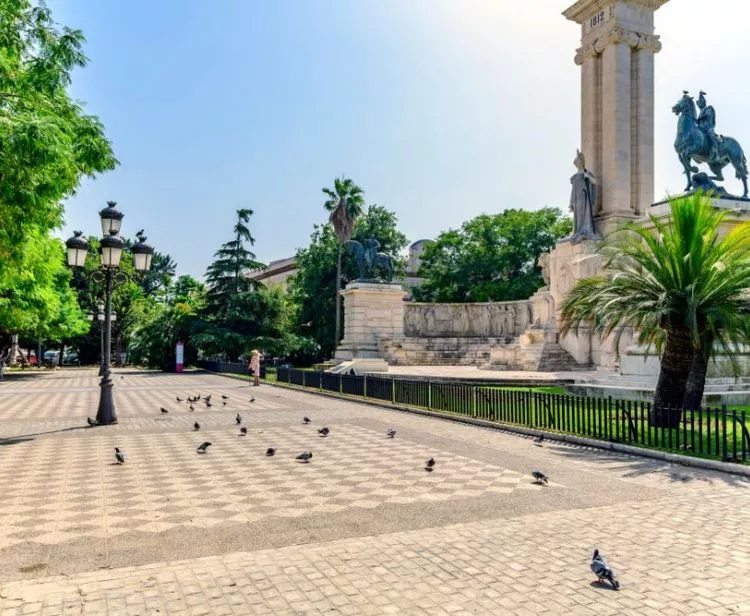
[678, 285]
[345, 203]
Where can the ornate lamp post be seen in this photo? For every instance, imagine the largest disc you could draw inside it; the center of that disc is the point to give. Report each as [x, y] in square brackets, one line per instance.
[111, 252]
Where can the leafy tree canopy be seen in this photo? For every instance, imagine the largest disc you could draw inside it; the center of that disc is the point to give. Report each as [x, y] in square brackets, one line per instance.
[228, 275]
[491, 257]
[47, 141]
[36, 298]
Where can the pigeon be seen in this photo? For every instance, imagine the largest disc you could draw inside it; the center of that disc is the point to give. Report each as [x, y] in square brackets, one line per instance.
[305, 456]
[538, 440]
[539, 477]
[305, 420]
[238, 419]
[122, 377]
[196, 426]
[243, 431]
[90, 421]
[203, 446]
[192, 408]
[603, 571]
[207, 398]
[324, 432]
[270, 451]
[429, 465]
[178, 399]
[252, 399]
[390, 433]
[119, 456]
[223, 397]
[223, 403]
[208, 404]
[163, 410]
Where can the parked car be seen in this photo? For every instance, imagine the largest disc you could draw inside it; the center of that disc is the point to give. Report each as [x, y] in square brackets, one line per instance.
[51, 358]
[71, 359]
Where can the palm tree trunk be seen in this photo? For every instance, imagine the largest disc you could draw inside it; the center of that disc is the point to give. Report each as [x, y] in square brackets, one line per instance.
[670, 389]
[338, 300]
[696, 382]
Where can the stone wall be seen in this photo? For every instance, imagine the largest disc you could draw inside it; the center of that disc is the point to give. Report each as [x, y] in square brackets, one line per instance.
[485, 320]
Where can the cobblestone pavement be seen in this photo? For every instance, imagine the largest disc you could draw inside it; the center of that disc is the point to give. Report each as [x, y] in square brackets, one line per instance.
[361, 529]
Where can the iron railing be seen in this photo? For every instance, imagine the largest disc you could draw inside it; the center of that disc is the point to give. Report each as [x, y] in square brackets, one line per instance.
[228, 367]
[713, 433]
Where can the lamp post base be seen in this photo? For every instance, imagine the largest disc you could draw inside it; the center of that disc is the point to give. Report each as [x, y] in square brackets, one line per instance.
[106, 413]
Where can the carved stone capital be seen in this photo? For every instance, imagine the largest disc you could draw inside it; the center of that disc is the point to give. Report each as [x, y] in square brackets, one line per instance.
[618, 36]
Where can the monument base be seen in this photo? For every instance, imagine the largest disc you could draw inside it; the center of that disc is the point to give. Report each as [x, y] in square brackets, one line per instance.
[371, 310]
[360, 366]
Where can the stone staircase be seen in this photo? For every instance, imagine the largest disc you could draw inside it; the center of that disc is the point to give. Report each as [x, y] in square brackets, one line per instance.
[540, 352]
[536, 350]
[408, 351]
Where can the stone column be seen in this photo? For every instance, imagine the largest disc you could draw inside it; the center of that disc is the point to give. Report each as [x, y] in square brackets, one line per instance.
[617, 103]
[643, 123]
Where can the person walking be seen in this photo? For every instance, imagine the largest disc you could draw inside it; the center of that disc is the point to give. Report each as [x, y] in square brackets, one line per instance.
[254, 367]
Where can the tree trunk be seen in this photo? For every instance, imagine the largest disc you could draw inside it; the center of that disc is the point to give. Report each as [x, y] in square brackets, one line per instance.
[696, 382]
[338, 300]
[670, 389]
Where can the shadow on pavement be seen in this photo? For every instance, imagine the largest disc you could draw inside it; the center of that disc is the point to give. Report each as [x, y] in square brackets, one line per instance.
[22, 438]
[632, 466]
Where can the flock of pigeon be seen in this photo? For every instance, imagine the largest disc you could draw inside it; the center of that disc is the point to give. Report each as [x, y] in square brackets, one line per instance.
[599, 564]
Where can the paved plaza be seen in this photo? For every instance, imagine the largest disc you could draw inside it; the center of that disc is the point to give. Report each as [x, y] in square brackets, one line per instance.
[361, 529]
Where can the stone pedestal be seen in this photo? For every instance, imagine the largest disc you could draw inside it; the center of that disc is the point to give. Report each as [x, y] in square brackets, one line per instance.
[371, 310]
[568, 263]
[735, 210]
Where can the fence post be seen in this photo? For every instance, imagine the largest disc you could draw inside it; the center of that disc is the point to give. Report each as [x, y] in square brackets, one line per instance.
[364, 387]
[474, 401]
[429, 395]
[393, 391]
[303, 378]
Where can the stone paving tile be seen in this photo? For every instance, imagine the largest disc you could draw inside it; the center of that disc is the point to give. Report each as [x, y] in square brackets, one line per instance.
[676, 536]
[529, 565]
[165, 483]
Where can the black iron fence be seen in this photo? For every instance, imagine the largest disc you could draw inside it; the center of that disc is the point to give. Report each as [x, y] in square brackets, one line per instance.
[228, 367]
[714, 433]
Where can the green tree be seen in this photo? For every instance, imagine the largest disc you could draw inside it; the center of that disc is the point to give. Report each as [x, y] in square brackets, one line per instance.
[240, 313]
[345, 203]
[680, 286]
[491, 258]
[36, 299]
[47, 142]
[314, 286]
[160, 326]
[228, 275]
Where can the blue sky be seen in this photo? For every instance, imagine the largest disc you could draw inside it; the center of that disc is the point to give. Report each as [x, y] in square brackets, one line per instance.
[440, 109]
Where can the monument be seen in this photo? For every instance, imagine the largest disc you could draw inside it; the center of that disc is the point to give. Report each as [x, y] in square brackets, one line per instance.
[613, 183]
[373, 308]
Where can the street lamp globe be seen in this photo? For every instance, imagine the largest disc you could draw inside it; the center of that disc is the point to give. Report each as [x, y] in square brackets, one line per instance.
[111, 219]
[142, 254]
[77, 248]
[111, 247]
